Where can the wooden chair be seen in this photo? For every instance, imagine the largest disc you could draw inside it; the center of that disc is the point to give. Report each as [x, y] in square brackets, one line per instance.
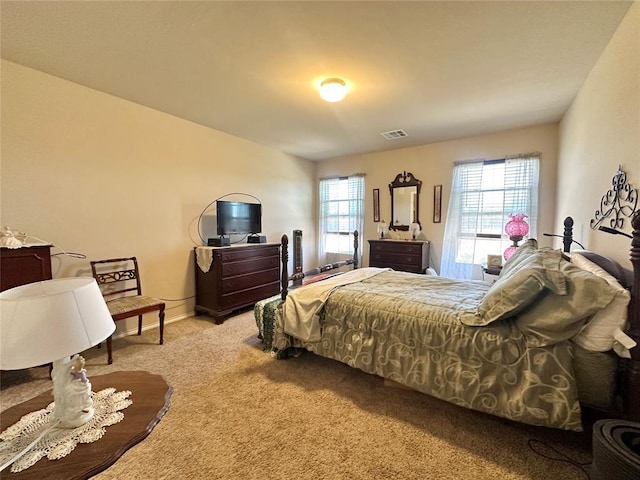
[119, 281]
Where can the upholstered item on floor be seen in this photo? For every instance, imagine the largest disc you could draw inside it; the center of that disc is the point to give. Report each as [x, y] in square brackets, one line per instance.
[265, 314]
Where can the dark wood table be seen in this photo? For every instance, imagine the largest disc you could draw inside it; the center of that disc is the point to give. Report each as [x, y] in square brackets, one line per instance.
[150, 394]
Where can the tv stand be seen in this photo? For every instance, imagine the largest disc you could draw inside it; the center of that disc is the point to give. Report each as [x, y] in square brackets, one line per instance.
[238, 276]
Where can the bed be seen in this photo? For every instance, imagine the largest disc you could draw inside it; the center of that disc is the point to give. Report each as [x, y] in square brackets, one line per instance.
[539, 346]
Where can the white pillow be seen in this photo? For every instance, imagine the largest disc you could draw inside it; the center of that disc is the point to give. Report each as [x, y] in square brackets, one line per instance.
[598, 333]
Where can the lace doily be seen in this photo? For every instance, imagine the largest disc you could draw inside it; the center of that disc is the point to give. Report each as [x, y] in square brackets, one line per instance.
[204, 257]
[59, 442]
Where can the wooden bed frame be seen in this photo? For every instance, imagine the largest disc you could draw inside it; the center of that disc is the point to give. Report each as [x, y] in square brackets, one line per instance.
[299, 276]
[632, 375]
[629, 369]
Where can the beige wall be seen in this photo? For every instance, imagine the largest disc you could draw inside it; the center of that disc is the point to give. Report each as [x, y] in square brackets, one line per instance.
[600, 131]
[433, 164]
[104, 177]
[101, 176]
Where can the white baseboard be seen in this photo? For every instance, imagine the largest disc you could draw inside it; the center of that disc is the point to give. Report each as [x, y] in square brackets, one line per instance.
[149, 326]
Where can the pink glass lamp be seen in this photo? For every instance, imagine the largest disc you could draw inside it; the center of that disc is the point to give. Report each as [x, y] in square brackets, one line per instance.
[516, 228]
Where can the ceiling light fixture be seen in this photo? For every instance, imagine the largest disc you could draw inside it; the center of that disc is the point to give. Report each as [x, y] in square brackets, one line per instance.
[333, 89]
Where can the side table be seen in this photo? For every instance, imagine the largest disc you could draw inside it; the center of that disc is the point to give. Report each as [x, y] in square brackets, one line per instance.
[150, 394]
[492, 271]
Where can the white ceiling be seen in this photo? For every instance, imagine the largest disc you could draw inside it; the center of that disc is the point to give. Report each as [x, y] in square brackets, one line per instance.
[438, 70]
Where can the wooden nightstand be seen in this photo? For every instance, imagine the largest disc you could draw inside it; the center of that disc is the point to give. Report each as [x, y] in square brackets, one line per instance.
[403, 255]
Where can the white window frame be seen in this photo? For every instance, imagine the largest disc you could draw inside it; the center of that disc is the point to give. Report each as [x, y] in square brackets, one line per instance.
[341, 211]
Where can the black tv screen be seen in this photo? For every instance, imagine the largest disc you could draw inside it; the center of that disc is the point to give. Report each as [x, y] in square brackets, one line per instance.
[238, 217]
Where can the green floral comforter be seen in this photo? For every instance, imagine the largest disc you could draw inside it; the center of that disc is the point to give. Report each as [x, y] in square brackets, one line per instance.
[406, 328]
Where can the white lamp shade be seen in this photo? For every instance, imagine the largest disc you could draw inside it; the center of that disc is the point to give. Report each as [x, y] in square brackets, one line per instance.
[45, 321]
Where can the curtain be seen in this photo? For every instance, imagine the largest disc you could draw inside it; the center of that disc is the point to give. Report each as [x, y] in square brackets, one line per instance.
[341, 212]
[483, 194]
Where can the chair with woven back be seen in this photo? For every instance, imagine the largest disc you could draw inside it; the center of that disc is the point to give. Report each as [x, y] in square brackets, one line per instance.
[119, 281]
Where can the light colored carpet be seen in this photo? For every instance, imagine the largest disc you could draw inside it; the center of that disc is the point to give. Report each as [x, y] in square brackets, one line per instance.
[236, 413]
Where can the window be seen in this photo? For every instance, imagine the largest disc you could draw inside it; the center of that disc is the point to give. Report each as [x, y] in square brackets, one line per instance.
[483, 194]
[341, 212]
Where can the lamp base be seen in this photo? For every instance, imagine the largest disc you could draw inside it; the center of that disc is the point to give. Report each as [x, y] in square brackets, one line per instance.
[35, 434]
[73, 405]
[75, 421]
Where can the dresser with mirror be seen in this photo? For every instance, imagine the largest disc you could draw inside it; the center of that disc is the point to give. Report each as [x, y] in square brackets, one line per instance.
[408, 255]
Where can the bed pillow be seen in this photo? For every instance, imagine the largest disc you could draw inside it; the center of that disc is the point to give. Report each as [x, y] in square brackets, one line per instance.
[515, 289]
[528, 248]
[554, 318]
[597, 335]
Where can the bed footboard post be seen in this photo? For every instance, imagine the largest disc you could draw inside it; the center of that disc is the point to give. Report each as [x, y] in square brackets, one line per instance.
[284, 277]
[355, 249]
[632, 381]
[567, 235]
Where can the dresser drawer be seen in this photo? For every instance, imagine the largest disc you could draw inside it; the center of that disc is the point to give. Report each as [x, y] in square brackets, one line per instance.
[399, 267]
[249, 280]
[249, 296]
[246, 253]
[396, 258]
[230, 269]
[397, 247]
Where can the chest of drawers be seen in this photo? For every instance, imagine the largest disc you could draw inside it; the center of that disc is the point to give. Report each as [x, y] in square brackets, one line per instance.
[407, 256]
[238, 276]
[24, 265]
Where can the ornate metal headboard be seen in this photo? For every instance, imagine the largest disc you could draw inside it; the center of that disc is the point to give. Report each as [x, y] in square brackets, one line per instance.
[617, 205]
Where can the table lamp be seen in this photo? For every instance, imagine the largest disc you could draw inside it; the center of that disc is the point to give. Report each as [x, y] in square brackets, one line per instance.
[414, 228]
[49, 321]
[382, 228]
[516, 228]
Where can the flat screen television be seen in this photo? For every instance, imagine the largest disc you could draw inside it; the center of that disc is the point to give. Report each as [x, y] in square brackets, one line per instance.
[238, 217]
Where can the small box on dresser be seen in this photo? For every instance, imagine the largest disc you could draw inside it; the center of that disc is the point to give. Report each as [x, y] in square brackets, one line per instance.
[403, 255]
[238, 276]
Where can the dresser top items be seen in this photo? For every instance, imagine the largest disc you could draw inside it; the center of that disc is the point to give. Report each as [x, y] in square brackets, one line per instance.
[236, 245]
[393, 240]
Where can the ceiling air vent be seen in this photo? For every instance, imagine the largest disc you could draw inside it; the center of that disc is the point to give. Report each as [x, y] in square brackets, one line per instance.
[394, 134]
